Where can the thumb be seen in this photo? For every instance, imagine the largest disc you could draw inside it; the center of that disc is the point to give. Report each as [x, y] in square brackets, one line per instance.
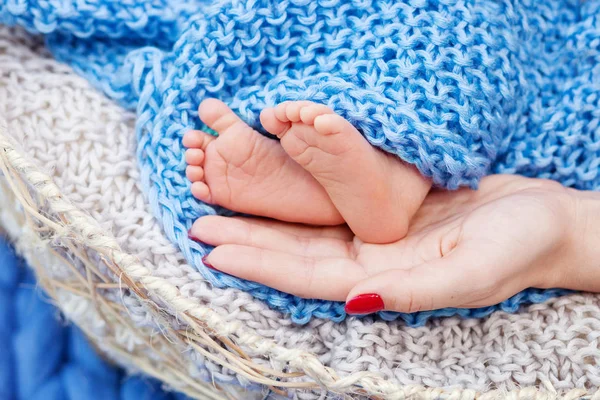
[446, 282]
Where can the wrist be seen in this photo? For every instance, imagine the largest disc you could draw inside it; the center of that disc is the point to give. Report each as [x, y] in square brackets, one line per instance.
[581, 267]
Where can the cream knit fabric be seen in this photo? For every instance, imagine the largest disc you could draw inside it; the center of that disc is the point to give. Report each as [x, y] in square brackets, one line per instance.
[87, 143]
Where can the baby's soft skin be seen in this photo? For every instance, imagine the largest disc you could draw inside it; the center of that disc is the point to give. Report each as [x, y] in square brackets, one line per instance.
[322, 172]
[464, 249]
[247, 172]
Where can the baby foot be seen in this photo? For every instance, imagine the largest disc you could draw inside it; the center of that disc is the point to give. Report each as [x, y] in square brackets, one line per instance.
[376, 193]
[247, 172]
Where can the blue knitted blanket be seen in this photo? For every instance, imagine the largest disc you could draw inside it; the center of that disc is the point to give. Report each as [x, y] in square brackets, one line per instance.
[43, 359]
[460, 89]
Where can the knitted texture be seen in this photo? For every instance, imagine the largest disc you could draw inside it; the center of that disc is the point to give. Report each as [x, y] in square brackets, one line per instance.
[456, 88]
[88, 145]
[42, 358]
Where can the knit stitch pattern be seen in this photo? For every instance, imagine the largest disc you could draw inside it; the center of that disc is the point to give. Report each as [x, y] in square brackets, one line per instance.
[87, 144]
[459, 89]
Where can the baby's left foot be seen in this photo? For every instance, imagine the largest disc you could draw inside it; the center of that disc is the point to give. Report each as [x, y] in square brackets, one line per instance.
[376, 193]
[247, 172]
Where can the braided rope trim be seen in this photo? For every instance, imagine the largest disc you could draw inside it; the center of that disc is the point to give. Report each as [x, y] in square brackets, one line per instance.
[67, 231]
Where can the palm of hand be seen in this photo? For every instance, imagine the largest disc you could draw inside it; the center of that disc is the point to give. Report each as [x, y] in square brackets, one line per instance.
[464, 249]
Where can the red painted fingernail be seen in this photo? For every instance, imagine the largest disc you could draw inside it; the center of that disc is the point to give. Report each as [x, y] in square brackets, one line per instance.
[364, 304]
[207, 264]
[192, 237]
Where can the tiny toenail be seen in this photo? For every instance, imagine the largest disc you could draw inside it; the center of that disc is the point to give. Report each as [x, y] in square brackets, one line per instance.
[207, 264]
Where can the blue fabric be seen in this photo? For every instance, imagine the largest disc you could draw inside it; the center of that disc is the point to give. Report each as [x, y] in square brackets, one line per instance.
[44, 359]
[458, 88]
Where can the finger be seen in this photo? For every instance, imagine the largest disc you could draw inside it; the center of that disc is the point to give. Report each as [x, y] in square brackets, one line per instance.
[307, 277]
[216, 231]
[341, 232]
[451, 281]
[504, 290]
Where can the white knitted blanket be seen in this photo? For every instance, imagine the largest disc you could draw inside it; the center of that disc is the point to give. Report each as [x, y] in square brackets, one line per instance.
[87, 143]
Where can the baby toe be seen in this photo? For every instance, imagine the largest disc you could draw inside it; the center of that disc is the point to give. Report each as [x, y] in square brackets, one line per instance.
[194, 173]
[293, 109]
[197, 139]
[192, 139]
[194, 156]
[272, 123]
[312, 111]
[201, 191]
[281, 111]
[329, 124]
[219, 117]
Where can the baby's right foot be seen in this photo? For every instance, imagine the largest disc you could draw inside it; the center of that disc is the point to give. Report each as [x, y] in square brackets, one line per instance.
[376, 193]
[247, 172]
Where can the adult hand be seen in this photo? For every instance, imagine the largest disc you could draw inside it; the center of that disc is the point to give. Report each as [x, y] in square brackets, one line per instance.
[464, 249]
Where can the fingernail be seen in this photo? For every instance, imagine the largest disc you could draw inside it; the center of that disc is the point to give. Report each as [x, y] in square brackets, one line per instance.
[207, 264]
[194, 238]
[364, 304]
